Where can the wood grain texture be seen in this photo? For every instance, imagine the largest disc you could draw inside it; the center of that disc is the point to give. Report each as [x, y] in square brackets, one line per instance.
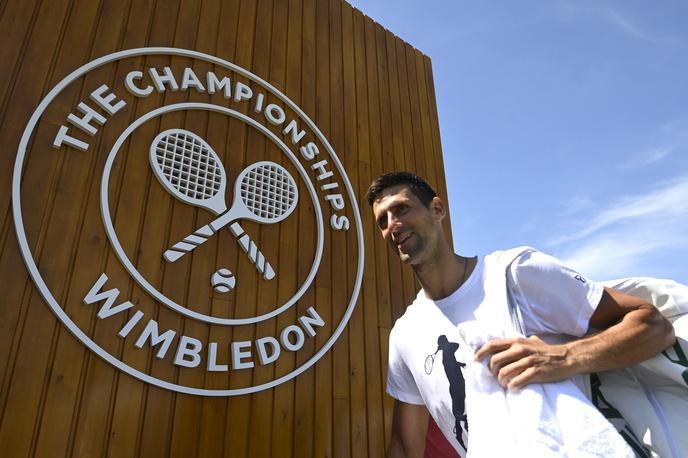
[370, 94]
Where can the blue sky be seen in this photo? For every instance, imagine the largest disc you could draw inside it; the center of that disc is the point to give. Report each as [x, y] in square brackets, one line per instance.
[564, 126]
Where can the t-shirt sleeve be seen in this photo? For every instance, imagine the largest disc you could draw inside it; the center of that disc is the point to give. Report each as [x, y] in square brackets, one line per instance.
[554, 298]
[400, 382]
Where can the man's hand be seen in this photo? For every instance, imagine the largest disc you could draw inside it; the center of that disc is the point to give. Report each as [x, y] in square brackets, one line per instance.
[630, 331]
[518, 361]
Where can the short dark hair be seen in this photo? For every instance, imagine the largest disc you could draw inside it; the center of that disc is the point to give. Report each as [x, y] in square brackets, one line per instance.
[418, 186]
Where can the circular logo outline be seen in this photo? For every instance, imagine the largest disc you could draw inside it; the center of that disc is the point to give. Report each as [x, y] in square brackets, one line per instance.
[55, 306]
[110, 230]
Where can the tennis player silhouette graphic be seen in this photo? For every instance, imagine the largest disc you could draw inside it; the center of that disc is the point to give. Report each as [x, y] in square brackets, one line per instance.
[457, 389]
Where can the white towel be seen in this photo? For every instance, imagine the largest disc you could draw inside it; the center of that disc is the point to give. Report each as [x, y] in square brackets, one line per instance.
[541, 420]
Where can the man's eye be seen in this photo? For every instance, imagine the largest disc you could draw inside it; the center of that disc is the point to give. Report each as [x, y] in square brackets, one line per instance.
[382, 223]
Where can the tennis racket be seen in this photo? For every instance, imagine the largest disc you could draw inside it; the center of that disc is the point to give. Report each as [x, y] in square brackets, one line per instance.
[192, 172]
[430, 362]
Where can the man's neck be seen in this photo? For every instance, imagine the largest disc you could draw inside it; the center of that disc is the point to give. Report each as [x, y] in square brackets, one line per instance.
[443, 274]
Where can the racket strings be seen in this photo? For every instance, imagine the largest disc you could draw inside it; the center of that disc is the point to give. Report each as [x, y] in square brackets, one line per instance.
[188, 165]
[268, 191]
[430, 363]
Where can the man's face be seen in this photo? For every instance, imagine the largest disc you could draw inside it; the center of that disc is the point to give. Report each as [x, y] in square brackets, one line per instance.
[411, 228]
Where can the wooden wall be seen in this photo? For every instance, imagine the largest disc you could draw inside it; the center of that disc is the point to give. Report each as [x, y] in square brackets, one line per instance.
[372, 96]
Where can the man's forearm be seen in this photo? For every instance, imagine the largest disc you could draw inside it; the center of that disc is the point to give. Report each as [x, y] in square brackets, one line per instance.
[639, 335]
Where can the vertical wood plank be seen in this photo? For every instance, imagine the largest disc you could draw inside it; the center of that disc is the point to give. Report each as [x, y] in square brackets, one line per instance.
[405, 105]
[394, 160]
[425, 118]
[414, 103]
[403, 152]
[323, 421]
[437, 143]
[269, 62]
[368, 307]
[381, 250]
[377, 168]
[283, 407]
[339, 115]
[238, 408]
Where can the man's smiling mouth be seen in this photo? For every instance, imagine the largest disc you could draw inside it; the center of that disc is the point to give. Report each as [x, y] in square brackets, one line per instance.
[402, 238]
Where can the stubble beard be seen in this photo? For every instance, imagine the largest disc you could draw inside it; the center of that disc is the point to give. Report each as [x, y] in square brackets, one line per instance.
[407, 257]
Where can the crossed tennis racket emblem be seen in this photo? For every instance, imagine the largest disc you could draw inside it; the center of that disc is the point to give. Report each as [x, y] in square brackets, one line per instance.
[189, 169]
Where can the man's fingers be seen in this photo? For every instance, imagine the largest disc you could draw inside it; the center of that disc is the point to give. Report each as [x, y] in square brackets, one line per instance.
[515, 352]
[493, 346]
[509, 372]
[519, 361]
[503, 358]
[536, 339]
[498, 345]
[524, 378]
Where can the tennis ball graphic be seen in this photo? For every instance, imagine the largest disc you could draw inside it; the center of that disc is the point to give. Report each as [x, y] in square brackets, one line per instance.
[223, 280]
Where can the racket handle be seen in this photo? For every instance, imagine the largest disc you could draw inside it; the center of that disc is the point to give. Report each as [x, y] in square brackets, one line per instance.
[201, 235]
[190, 242]
[251, 249]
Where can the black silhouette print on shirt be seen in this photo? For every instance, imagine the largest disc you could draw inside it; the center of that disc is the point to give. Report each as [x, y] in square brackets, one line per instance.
[457, 390]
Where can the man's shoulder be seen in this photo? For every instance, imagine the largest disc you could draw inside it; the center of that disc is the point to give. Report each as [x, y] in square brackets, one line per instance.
[410, 311]
[502, 258]
[413, 313]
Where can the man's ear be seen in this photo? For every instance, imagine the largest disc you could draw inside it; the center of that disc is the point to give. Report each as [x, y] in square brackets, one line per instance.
[438, 208]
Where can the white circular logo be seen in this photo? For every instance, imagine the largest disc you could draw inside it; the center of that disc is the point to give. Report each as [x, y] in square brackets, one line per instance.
[226, 212]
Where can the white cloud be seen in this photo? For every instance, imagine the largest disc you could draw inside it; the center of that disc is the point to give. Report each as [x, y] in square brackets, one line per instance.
[648, 157]
[670, 200]
[624, 23]
[575, 204]
[624, 253]
[670, 137]
[617, 239]
[608, 14]
[677, 129]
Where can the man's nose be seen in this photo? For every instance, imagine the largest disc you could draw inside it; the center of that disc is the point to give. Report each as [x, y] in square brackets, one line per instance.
[393, 222]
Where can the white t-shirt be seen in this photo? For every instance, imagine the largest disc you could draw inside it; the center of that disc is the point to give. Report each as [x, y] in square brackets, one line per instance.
[424, 364]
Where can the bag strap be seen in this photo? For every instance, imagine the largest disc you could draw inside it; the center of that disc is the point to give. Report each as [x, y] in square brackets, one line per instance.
[511, 297]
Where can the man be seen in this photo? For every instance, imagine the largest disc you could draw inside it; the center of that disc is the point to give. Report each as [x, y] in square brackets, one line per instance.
[562, 307]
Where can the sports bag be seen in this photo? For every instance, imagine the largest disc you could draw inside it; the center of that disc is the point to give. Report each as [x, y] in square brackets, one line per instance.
[648, 402]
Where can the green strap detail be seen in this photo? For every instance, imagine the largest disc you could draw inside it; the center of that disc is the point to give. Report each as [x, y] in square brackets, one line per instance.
[611, 413]
[680, 358]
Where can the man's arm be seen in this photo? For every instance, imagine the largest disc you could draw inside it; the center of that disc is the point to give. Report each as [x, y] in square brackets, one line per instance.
[631, 331]
[409, 427]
